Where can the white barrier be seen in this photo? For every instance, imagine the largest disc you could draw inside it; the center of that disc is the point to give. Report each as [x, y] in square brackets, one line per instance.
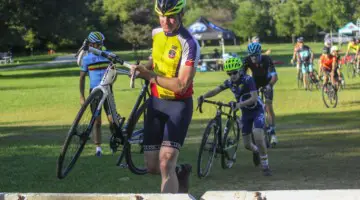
[283, 195]
[94, 196]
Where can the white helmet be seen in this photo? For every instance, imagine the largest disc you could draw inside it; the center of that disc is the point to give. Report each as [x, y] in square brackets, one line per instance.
[334, 48]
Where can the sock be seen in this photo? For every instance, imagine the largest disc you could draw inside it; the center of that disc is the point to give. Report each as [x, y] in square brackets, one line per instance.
[264, 161]
[98, 149]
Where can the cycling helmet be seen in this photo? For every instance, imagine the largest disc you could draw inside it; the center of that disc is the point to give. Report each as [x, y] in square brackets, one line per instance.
[300, 39]
[326, 50]
[255, 39]
[254, 48]
[233, 64]
[96, 37]
[334, 48]
[169, 7]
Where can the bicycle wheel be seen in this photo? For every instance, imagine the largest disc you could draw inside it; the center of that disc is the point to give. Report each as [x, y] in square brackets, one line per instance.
[207, 149]
[230, 143]
[316, 82]
[329, 96]
[78, 134]
[133, 147]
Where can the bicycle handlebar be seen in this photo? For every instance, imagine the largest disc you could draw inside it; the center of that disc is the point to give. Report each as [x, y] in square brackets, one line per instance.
[218, 103]
[112, 57]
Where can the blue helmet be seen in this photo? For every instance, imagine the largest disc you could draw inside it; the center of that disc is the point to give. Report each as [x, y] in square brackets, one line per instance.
[254, 48]
[96, 37]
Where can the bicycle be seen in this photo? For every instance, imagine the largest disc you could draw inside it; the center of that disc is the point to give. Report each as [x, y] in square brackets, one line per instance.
[226, 144]
[129, 136]
[266, 130]
[329, 94]
[351, 68]
[311, 80]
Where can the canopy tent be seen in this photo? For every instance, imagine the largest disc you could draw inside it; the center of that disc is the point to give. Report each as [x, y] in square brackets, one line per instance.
[349, 28]
[202, 29]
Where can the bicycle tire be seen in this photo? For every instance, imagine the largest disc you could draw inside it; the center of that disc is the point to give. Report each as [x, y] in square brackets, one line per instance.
[62, 171]
[134, 168]
[228, 157]
[331, 94]
[212, 125]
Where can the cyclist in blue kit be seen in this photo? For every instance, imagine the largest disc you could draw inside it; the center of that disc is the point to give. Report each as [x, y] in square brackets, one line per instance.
[253, 117]
[96, 67]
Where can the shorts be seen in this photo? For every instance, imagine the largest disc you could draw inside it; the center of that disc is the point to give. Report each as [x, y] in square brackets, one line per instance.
[167, 123]
[250, 120]
[106, 104]
[309, 67]
[269, 94]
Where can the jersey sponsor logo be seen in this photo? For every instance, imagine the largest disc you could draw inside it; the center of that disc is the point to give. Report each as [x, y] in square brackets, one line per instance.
[172, 52]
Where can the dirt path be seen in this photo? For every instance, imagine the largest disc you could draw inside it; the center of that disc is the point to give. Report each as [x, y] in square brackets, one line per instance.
[60, 60]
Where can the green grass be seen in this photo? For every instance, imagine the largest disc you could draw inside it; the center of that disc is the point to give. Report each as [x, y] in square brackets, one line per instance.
[319, 147]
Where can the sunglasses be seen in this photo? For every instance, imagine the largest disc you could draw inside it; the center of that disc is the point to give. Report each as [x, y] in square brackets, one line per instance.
[232, 73]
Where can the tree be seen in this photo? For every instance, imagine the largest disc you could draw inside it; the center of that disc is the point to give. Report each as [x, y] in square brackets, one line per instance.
[329, 14]
[252, 18]
[31, 40]
[136, 34]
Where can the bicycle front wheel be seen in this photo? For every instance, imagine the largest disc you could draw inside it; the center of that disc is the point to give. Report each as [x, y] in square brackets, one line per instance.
[78, 134]
[329, 96]
[207, 149]
[133, 148]
[230, 143]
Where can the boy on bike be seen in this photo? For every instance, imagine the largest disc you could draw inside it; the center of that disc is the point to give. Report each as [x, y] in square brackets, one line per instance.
[95, 66]
[253, 119]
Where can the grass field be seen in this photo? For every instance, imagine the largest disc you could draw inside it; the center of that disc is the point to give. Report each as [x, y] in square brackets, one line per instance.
[318, 149]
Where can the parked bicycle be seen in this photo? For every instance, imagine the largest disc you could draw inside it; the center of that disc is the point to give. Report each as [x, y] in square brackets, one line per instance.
[217, 140]
[128, 137]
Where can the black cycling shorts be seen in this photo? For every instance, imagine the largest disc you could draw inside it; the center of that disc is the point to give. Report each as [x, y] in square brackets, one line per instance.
[167, 123]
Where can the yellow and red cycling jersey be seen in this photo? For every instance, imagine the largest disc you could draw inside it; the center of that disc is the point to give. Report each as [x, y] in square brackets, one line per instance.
[170, 52]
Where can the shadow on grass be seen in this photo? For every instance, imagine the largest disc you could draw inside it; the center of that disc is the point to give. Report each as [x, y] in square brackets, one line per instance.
[313, 153]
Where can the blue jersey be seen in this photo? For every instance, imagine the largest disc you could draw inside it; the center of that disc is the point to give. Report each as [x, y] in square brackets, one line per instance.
[96, 67]
[304, 53]
[243, 87]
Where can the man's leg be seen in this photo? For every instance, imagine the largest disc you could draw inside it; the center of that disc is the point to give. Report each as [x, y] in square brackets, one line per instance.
[152, 161]
[97, 135]
[168, 158]
[259, 138]
[247, 124]
[270, 115]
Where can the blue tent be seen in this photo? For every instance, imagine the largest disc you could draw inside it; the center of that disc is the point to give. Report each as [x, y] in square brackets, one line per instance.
[202, 29]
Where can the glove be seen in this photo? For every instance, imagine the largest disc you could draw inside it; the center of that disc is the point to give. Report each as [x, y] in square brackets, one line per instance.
[233, 105]
[268, 87]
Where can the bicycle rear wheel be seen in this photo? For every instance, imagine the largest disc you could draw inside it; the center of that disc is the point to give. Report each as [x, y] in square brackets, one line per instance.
[133, 147]
[230, 143]
[329, 96]
[207, 149]
[78, 134]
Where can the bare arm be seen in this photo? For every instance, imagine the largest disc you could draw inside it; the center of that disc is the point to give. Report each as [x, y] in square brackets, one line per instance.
[82, 86]
[215, 91]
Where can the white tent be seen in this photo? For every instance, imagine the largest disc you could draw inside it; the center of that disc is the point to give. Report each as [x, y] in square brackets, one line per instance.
[349, 28]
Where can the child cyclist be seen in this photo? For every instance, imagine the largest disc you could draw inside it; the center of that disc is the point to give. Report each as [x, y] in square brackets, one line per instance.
[253, 117]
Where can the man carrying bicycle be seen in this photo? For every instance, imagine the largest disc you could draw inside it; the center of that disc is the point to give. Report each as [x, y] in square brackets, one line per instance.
[265, 76]
[354, 46]
[175, 56]
[253, 118]
[95, 66]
